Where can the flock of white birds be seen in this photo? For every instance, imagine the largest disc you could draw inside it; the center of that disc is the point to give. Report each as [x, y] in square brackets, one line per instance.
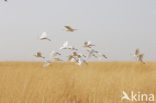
[77, 57]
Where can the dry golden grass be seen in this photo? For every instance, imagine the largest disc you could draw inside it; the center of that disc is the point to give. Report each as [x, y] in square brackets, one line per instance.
[68, 83]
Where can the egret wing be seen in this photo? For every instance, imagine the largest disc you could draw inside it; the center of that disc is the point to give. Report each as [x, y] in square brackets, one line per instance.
[43, 35]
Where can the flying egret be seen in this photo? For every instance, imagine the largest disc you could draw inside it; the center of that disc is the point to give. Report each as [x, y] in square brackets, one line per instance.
[100, 56]
[65, 45]
[138, 56]
[68, 28]
[44, 36]
[39, 55]
[72, 58]
[54, 54]
[88, 44]
[77, 58]
[104, 56]
[82, 55]
[81, 61]
[92, 52]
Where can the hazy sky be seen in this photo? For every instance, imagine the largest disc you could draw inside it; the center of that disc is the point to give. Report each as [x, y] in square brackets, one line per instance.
[117, 27]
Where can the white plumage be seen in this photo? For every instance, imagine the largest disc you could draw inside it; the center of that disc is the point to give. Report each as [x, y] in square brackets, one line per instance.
[44, 36]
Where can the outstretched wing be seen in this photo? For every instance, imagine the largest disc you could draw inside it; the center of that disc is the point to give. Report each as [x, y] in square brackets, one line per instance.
[65, 44]
[68, 27]
[44, 35]
[103, 55]
[89, 42]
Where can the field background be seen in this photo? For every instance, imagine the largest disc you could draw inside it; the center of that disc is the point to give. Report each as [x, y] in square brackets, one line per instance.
[29, 82]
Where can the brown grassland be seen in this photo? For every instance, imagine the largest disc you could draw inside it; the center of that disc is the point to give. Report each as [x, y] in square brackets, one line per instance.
[29, 82]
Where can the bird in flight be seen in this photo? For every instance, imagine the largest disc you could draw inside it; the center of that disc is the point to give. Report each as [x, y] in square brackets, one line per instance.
[76, 58]
[44, 36]
[88, 44]
[68, 28]
[72, 58]
[65, 45]
[100, 56]
[92, 52]
[138, 56]
[39, 55]
[80, 60]
[54, 54]
[82, 55]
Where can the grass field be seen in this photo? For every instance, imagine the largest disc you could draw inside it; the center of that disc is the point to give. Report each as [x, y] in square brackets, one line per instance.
[68, 83]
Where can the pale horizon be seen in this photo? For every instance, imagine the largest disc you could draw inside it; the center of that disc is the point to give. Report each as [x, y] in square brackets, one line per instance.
[117, 28]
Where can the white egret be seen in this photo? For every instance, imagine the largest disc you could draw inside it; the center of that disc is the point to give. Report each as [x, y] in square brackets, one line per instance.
[39, 55]
[80, 60]
[65, 45]
[92, 52]
[88, 44]
[54, 54]
[44, 36]
[138, 56]
[100, 56]
[72, 58]
[68, 28]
